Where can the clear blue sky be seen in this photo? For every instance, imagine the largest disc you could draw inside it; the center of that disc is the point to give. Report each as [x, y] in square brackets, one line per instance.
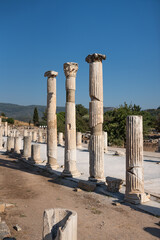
[41, 35]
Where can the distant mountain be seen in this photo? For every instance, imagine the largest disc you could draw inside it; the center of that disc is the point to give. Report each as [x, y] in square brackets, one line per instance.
[23, 113]
[106, 109]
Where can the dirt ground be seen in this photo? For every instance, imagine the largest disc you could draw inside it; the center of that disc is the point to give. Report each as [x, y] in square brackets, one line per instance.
[98, 219]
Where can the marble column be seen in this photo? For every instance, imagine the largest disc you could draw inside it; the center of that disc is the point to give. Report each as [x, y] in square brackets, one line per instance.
[96, 152]
[34, 136]
[51, 120]
[25, 133]
[105, 142]
[10, 144]
[6, 129]
[0, 121]
[27, 147]
[17, 144]
[40, 140]
[60, 138]
[79, 139]
[70, 168]
[35, 153]
[134, 161]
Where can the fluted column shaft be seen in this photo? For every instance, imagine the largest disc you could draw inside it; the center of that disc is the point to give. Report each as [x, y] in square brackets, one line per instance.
[27, 147]
[17, 144]
[96, 148]
[10, 143]
[70, 169]
[51, 120]
[134, 160]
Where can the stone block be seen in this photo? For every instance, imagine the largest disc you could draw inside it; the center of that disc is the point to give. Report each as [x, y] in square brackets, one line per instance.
[86, 185]
[114, 184]
[59, 224]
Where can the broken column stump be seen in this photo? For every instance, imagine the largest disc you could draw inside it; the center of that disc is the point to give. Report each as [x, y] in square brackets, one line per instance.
[59, 224]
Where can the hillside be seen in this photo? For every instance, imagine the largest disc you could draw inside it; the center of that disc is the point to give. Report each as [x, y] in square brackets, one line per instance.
[23, 113]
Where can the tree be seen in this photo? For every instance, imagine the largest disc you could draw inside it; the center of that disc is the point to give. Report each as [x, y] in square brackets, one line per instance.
[2, 114]
[45, 116]
[82, 118]
[115, 122]
[61, 122]
[35, 117]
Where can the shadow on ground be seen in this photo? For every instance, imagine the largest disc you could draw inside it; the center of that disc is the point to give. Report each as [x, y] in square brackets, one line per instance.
[19, 165]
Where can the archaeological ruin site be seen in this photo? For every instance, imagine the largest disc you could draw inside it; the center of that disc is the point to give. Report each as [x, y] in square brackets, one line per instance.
[73, 185]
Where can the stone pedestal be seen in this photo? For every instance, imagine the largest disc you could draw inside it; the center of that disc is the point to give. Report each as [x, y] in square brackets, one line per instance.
[10, 144]
[51, 120]
[105, 142]
[70, 168]
[96, 145]
[17, 145]
[35, 153]
[59, 224]
[134, 161]
[27, 147]
[60, 139]
[79, 139]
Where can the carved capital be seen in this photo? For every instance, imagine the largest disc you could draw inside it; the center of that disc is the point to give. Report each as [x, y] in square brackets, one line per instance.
[51, 74]
[70, 69]
[95, 57]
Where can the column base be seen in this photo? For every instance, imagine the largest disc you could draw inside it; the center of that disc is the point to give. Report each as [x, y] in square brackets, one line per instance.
[99, 181]
[52, 167]
[73, 174]
[137, 198]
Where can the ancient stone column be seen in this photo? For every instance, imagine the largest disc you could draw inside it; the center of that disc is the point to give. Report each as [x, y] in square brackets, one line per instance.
[40, 140]
[96, 148]
[105, 142]
[35, 153]
[10, 144]
[60, 138]
[1, 136]
[70, 168]
[79, 139]
[51, 120]
[0, 121]
[59, 224]
[17, 133]
[6, 129]
[17, 144]
[25, 133]
[134, 161]
[34, 136]
[27, 147]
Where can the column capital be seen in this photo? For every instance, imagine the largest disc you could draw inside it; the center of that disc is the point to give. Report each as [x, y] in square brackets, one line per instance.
[95, 57]
[50, 74]
[70, 69]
